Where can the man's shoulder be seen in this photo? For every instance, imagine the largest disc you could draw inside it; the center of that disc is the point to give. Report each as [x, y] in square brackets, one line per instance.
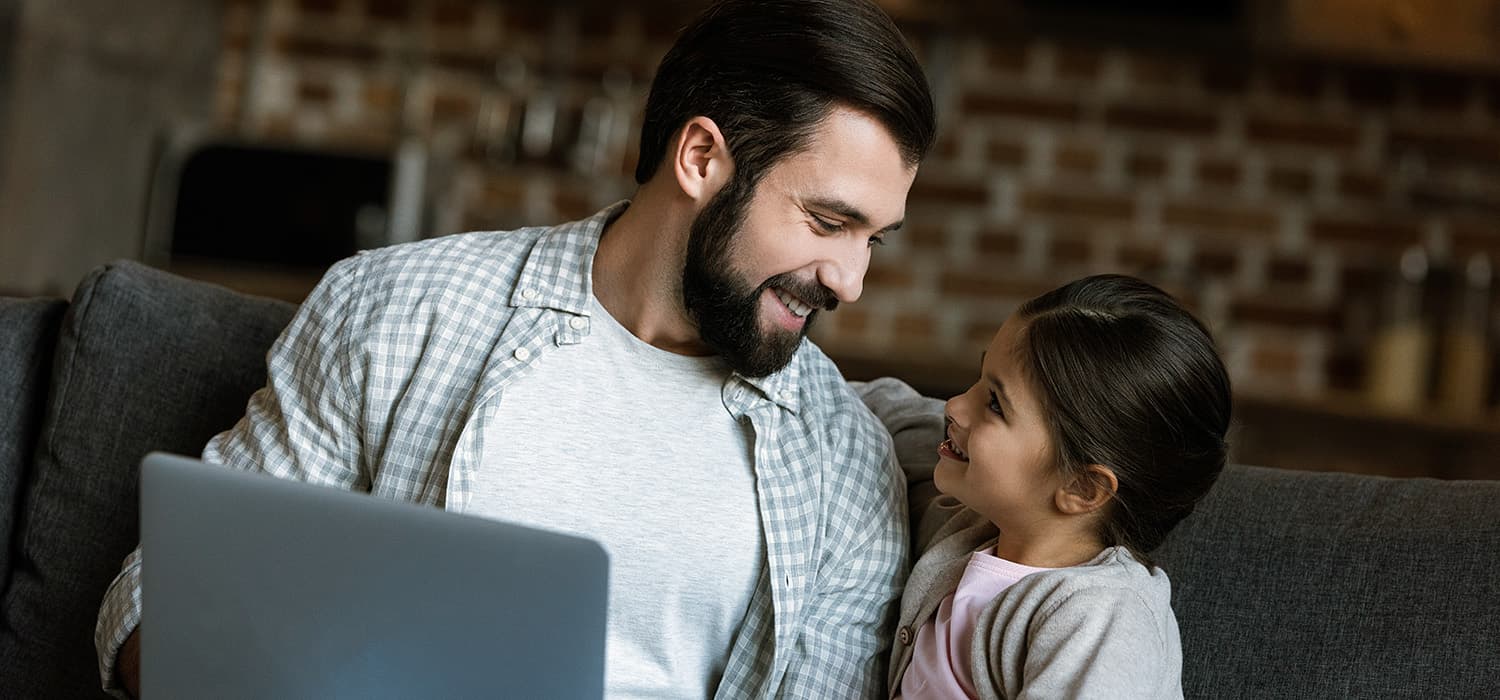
[828, 396]
[462, 258]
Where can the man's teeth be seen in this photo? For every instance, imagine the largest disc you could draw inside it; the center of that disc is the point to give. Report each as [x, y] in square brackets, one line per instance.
[797, 307]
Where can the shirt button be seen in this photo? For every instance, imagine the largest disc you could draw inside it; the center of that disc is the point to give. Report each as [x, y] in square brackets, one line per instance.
[786, 394]
[523, 354]
[579, 323]
[528, 293]
[903, 635]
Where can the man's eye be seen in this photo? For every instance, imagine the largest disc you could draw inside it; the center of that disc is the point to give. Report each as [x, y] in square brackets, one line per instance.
[877, 240]
[826, 225]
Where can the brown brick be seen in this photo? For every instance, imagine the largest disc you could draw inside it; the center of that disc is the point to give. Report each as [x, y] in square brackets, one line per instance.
[452, 107]
[307, 47]
[381, 96]
[1001, 242]
[1032, 107]
[318, 7]
[598, 25]
[946, 147]
[889, 275]
[1472, 236]
[1219, 172]
[929, 190]
[571, 203]
[1275, 360]
[314, 91]
[1285, 313]
[1383, 233]
[1145, 165]
[1216, 217]
[1184, 120]
[1077, 62]
[1302, 132]
[1226, 77]
[1006, 153]
[982, 332]
[1070, 203]
[454, 14]
[990, 284]
[926, 237]
[1071, 249]
[388, 10]
[1369, 87]
[1158, 70]
[850, 319]
[1290, 271]
[236, 43]
[1298, 80]
[1446, 146]
[460, 61]
[1362, 185]
[1364, 280]
[1076, 158]
[1218, 262]
[909, 327]
[1006, 57]
[1442, 91]
[1288, 179]
[1141, 257]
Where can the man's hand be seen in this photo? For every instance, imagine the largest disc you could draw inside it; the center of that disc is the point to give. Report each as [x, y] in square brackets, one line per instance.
[128, 666]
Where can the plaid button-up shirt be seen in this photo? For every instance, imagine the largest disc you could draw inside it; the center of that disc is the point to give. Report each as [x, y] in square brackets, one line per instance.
[393, 367]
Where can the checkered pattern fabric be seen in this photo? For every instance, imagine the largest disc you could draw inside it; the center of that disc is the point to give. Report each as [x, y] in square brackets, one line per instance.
[391, 369]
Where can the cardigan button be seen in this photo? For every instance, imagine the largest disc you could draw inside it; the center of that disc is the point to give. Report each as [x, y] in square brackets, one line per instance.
[903, 635]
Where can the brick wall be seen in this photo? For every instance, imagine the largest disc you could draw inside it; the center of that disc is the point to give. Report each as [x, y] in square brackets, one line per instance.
[1274, 195]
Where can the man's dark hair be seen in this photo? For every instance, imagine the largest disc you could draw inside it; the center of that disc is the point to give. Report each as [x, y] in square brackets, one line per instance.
[768, 71]
[1127, 378]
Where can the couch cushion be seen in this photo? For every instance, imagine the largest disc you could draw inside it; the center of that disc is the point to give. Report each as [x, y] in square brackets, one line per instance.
[28, 333]
[1302, 584]
[145, 361]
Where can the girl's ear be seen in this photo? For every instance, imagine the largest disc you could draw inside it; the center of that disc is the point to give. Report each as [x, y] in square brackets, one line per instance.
[1089, 492]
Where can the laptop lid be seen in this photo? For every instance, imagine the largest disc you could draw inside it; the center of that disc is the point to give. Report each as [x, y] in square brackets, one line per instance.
[259, 587]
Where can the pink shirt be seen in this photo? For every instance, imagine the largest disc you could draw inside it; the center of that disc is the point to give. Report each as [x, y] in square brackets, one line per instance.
[941, 659]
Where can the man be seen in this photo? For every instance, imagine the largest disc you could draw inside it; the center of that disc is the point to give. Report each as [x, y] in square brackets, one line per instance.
[642, 377]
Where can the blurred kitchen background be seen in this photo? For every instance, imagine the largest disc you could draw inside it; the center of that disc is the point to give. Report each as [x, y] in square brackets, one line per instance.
[1319, 179]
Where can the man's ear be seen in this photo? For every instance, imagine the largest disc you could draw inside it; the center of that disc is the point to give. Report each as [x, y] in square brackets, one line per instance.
[1089, 492]
[700, 159]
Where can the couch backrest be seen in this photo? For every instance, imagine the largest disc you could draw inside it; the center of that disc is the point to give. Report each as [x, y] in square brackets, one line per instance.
[144, 361]
[1324, 585]
[28, 334]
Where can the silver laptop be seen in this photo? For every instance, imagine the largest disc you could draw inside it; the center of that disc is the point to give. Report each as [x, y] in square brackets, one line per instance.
[258, 587]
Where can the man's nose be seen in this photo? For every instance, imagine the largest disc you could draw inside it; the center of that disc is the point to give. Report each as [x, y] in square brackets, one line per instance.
[843, 272]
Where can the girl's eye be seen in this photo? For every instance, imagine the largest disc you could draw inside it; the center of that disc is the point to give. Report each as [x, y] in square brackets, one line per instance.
[995, 405]
[827, 225]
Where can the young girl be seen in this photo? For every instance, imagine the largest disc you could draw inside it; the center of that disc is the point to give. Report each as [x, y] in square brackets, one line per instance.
[1098, 421]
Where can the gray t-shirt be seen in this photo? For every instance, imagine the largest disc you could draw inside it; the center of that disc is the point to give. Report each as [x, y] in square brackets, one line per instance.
[631, 445]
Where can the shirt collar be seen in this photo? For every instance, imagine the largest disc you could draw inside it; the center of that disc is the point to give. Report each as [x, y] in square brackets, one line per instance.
[782, 387]
[559, 274]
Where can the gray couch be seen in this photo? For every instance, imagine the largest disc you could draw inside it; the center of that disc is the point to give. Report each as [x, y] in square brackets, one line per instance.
[1287, 584]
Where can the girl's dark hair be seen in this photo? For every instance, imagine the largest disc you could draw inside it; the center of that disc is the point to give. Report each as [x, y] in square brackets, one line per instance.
[1129, 379]
[768, 71]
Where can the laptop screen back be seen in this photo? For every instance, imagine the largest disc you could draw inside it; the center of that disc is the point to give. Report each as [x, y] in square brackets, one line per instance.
[257, 587]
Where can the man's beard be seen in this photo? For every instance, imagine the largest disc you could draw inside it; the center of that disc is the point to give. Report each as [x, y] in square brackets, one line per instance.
[725, 306]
